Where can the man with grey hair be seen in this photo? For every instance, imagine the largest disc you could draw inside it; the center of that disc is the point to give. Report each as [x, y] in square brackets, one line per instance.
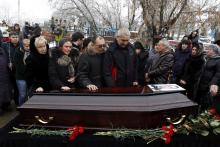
[119, 62]
[159, 70]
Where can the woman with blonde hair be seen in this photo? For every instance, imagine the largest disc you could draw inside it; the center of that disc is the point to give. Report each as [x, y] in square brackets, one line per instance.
[37, 66]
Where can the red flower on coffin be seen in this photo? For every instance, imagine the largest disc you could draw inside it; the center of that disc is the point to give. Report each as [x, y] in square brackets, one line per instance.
[212, 111]
[75, 131]
[167, 138]
[168, 133]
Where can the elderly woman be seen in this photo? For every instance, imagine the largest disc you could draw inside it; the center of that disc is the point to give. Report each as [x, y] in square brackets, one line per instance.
[210, 77]
[90, 64]
[62, 67]
[37, 66]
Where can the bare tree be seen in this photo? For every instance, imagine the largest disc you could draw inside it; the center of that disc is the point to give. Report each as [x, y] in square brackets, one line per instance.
[106, 13]
[159, 16]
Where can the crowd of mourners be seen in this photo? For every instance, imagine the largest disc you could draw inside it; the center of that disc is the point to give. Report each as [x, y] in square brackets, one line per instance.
[29, 66]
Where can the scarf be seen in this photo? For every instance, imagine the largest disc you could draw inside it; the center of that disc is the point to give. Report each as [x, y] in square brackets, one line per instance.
[66, 61]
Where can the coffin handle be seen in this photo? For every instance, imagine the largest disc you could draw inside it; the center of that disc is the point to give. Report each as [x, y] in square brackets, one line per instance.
[176, 122]
[42, 120]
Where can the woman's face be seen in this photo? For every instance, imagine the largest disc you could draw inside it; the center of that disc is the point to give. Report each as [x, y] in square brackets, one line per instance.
[42, 48]
[184, 46]
[194, 51]
[14, 39]
[66, 48]
[26, 46]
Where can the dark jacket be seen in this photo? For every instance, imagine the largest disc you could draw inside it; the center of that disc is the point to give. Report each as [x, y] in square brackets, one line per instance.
[210, 76]
[191, 74]
[37, 69]
[1, 37]
[211, 73]
[90, 69]
[5, 89]
[60, 73]
[20, 65]
[180, 57]
[142, 61]
[193, 68]
[10, 50]
[160, 69]
[75, 53]
[122, 62]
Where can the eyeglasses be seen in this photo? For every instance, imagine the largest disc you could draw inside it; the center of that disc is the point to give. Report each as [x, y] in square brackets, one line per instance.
[102, 46]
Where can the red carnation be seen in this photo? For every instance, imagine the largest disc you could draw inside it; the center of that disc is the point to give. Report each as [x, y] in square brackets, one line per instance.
[212, 111]
[167, 138]
[171, 130]
[81, 130]
[75, 131]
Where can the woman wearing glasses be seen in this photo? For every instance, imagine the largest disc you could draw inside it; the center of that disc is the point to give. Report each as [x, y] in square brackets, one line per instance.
[90, 64]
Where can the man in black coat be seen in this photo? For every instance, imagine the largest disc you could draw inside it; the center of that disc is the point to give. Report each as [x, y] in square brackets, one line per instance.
[119, 62]
[10, 49]
[90, 74]
[77, 40]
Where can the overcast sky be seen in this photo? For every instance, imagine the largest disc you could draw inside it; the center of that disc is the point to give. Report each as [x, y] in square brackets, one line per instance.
[31, 10]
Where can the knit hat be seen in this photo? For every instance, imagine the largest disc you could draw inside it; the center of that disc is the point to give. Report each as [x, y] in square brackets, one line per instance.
[62, 42]
[215, 48]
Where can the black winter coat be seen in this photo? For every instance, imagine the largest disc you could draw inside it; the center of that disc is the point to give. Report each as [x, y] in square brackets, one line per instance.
[90, 70]
[5, 89]
[211, 74]
[193, 68]
[59, 74]
[191, 74]
[10, 50]
[180, 57]
[20, 66]
[142, 61]
[37, 69]
[160, 69]
[123, 60]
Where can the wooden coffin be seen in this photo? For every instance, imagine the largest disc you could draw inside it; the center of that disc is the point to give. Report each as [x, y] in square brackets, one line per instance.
[104, 111]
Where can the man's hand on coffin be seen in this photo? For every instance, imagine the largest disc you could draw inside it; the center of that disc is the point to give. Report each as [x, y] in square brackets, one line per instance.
[147, 79]
[71, 80]
[213, 90]
[92, 87]
[183, 82]
[10, 65]
[65, 88]
[39, 89]
[135, 83]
